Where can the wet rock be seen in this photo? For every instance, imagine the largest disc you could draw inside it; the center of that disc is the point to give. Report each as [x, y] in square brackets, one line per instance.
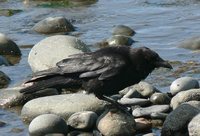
[160, 98]
[150, 134]
[194, 126]
[4, 61]
[2, 123]
[134, 101]
[47, 123]
[192, 43]
[11, 97]
[195, 104]
[185, 96]
[157, 115]
[116, 123]
[62, 105]
[4, 80]
[145, 89]
[147, 111]
[79, 133]
[53, 25]
[182, 84]
[123, 30]
[48, 52]
[8, 47]
[131, 93]
[82, 120]
[177, 121]
[142, 124]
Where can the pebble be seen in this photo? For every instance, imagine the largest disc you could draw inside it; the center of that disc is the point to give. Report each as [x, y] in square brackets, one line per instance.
[134, 101]
[177, 121]
[183, 84]
[82, 120]
[46, 124]
[63, 105]
[4, 80]
[116, 124]
[147, 111]
[160, 98]
[42, 55]
[53, 25]
[194, 126]
[157, 115]
[123, 30]
[131, 93]
[142, 124]
[185, 96]
[118, 40]
[79, 133]
[191, 43]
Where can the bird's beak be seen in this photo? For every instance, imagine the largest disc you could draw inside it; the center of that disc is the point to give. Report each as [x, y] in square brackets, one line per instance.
[163, 63]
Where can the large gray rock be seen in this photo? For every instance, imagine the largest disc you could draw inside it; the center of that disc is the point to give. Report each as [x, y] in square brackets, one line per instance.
[48, 52]
[147, 111]
[47, 123]
[194, 126]
[116, 123]
[123, 30]
[160, 98]
[177, 121]
[63, 105]
[53, 25]
[185, 96]
[192, 43]
[4, 80]
[8, 47]
[183, 84]
[82, 120]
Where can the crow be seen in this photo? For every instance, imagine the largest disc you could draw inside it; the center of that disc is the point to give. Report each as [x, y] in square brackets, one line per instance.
[104, 72]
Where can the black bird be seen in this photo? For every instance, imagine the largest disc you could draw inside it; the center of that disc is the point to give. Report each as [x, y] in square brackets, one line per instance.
[103, 72]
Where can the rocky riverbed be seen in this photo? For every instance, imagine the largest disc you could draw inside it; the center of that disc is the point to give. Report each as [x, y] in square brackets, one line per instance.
[34, 35]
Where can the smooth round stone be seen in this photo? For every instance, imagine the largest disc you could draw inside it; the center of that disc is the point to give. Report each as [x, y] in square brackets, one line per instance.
[185, 96]
[53, 25]
[62, 105]
[143, 124]
[4, 61]
[131, 93]
[116, 124]
[157, 115]
[4, 80]
[192, 43]
[177, 121]
[123, 30]
[82, 120]
[8, 47]
[160, 98]
[79, 133]
[145, 89]
[47, 123]
[147, 111]
[117, 40]
[194, 126]
[49, 51]
[134, 101]
[183, 84]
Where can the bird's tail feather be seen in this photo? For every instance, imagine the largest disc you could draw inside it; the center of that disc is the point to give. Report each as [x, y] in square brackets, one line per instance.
[48, 82]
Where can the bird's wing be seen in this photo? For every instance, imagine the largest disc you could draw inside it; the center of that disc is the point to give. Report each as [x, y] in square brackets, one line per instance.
[91, 65]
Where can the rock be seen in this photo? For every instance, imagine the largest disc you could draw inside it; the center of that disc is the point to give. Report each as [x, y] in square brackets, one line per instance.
[134, 101]
[142, 124]
[157, 115]
[2, 123]
[79, 133]
[194, 126]
[150, 134]
[117, 40]
[131, 93]
[147, 111]
[192, 43]
[145, 89]
[195, 104]
[55, 134]
[11, 97]
[123, 30]
[47, 123]
[116, 123]
[183, 84]
[177, 121]
[62, 105]
[4, 80]
[53, 25]
[185, 96]
[4, 61]
[8, 47]
[48, 52]
[82, 120]
[160, 98]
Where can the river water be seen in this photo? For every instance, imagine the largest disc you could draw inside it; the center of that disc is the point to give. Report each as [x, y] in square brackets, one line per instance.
[160, 25]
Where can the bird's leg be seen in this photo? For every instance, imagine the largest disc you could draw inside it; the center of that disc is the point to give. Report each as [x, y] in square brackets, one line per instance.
[115, 103]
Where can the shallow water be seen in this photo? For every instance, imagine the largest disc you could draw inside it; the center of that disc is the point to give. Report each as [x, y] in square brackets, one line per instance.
[160, 25]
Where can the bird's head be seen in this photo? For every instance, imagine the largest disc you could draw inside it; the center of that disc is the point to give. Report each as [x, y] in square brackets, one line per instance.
[151, 59]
